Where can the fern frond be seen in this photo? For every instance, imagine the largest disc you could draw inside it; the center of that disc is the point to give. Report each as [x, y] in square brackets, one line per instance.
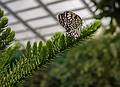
[39, 54]
[6, 34]
[6, 39]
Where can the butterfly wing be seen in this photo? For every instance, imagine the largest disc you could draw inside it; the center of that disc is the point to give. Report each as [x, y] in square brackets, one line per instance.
[71, 22]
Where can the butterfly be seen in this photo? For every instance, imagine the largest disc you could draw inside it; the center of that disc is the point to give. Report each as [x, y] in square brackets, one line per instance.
[71, 22]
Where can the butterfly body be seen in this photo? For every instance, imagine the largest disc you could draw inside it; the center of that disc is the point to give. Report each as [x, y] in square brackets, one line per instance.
[71, 22]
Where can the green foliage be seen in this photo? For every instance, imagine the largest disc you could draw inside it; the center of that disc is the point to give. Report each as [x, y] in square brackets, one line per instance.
[111, 9]
[91, 28]
[93, 63]
[15, 68]
[81, 62]
[39, 54]
[6, 34]
[7, 49]
[7, 56]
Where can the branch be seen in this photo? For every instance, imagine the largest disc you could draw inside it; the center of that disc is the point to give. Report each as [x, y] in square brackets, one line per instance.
[39, 54]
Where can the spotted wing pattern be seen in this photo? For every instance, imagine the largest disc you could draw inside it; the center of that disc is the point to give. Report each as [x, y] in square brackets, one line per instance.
[71, 22]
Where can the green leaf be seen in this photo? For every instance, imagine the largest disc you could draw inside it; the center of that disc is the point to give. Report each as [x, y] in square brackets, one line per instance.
[50, 48]
[35, 49]
[10, 37]
[28, 51]
[40, 46]
[1, 13]
[62, 42]
[90, 29]
[3, 22]
[44, 54]
[6, 33]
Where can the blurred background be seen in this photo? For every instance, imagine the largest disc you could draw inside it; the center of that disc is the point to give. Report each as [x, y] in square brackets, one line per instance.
[35, 20]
